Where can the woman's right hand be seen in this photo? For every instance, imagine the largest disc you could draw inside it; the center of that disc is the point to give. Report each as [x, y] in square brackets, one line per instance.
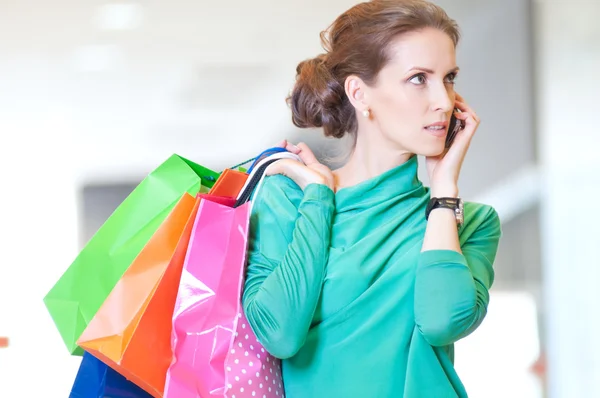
[302, 174]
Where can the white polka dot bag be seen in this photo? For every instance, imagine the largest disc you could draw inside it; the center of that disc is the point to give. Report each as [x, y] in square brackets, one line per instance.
[215, 352]
[250, 370]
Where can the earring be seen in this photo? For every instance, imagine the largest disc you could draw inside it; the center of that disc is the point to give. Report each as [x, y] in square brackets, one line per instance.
[366, 113]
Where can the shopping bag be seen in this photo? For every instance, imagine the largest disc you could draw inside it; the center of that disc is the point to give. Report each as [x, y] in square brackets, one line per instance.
[97, 380]
[215, 353]
[131, 332]
[229, 183]
[81, 290]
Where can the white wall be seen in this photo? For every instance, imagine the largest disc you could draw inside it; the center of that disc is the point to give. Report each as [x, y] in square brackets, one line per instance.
[570, 137]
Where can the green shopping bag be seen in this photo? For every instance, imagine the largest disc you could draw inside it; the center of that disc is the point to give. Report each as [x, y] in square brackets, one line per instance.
[81, 290]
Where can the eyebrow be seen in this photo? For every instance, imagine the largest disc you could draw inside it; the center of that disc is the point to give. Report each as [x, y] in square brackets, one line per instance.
[430, 71]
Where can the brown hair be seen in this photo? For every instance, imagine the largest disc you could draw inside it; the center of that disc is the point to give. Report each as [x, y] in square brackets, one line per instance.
[356, 44]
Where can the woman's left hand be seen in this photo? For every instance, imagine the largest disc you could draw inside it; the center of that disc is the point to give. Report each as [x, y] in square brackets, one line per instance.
[444, 169]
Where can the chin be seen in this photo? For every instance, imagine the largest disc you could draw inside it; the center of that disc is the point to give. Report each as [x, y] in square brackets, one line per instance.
[432, 150]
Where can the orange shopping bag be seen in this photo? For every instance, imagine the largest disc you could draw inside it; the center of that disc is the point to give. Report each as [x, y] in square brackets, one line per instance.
[132, 330]
[229, 183]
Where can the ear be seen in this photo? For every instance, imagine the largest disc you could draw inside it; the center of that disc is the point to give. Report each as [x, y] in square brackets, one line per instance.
[357, 91]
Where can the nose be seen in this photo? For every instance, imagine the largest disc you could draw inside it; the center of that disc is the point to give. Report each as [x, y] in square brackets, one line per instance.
[442, 98]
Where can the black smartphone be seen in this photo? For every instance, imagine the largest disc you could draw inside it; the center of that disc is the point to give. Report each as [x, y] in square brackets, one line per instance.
[453, 128]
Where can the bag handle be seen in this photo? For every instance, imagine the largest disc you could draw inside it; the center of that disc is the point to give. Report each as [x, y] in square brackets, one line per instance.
[267, 152]
[256, 177]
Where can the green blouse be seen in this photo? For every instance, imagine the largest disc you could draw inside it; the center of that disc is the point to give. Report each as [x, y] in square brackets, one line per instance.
[337, 286]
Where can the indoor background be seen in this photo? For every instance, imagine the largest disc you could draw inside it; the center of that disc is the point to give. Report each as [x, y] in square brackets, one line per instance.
[95, 94]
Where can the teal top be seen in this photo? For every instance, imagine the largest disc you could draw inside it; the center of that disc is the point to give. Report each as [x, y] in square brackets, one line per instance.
[337, 286]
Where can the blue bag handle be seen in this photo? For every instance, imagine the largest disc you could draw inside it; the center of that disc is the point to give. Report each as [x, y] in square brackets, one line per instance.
[266, 152]
[255, 160]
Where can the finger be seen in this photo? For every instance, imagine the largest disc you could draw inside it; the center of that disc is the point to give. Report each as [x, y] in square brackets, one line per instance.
[462, 106]
[281, 144]
[466, 108]
[467, 117]
[281, 166]
[293, 148]
[459, 147]
[307, 156]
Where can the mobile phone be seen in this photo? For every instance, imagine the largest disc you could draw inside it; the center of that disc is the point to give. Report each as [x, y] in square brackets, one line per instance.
[453, 128]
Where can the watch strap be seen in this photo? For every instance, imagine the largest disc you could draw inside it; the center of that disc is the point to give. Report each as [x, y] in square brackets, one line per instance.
[442, 203]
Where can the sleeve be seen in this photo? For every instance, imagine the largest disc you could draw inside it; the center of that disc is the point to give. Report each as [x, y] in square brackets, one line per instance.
[288, 250]
[451, 289]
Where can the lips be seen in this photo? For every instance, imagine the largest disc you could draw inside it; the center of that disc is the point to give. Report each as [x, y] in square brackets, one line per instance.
[437, 129]
[437, 125]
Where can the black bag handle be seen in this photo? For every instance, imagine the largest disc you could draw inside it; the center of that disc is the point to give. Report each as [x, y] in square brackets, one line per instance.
[254, 180]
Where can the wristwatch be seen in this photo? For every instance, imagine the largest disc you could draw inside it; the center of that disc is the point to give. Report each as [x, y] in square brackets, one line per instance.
[455, 204]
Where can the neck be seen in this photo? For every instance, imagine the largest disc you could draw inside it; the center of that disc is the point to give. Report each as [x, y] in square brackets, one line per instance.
[370, 158]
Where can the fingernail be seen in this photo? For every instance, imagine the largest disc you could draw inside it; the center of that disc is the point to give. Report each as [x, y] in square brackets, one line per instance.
[295, 147]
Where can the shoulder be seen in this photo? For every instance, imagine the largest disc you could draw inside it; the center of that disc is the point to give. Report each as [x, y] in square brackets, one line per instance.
[278, 190]
[481, 219]
[280, 201]
[481, 212]
[273, 215]
[278, 194]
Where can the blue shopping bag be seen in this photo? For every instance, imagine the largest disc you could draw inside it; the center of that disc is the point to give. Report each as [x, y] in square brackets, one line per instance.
[98, 380]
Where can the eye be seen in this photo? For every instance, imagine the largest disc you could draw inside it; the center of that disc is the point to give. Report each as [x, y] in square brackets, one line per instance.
[450, 79]
[418, 79]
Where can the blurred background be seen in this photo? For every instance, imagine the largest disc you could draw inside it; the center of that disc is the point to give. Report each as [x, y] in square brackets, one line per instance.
[94, 94]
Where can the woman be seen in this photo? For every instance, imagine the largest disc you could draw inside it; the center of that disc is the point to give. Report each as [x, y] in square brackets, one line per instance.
[353, 280]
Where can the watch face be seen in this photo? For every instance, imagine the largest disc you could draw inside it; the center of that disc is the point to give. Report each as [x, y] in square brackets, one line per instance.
[460, 212]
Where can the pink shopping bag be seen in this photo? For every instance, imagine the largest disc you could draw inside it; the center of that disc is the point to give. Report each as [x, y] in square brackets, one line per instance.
[215, 353]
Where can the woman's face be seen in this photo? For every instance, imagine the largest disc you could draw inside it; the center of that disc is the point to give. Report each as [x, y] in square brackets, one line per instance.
[412, 100]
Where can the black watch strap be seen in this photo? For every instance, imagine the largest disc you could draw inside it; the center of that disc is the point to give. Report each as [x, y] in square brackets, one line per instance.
[444, 203]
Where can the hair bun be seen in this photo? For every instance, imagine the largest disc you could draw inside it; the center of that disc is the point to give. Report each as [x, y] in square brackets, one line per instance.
[317, 98]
